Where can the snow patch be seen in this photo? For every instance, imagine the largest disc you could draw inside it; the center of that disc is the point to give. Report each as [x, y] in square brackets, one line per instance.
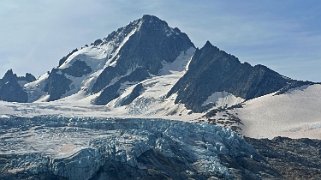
[35, 88]
[179, 64]
[222, 99]
[93, 56]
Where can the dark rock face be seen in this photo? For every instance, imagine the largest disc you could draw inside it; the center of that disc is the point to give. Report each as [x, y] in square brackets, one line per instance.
[108, 74]
[292, 159]
[11, 90]
[212, 70]
[138, 89]
[113, 91]
[27, 78]
[77, 69]
[98, 42]
[152, 43]
[159, 166]
[57, 85]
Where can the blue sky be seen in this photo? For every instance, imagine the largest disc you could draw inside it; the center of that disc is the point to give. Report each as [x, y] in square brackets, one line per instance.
[283, 35]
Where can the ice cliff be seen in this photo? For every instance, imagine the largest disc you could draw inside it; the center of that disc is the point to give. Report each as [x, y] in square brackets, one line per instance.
[95, 148]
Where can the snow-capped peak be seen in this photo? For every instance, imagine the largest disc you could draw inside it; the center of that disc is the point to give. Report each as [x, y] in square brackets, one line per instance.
[148, 43]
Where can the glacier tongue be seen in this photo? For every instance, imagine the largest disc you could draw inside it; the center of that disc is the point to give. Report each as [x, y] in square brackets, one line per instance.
[84, 148]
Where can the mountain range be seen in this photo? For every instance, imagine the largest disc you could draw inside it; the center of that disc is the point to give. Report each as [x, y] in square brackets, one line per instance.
[148, 68]
[113, 109]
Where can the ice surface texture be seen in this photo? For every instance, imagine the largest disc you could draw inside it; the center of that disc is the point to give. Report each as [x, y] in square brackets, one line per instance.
[84, 148]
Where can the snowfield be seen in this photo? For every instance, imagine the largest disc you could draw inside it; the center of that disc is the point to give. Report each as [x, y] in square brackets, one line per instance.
[73, 109]
[295, 114]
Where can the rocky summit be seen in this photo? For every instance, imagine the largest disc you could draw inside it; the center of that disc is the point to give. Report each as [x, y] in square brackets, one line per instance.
[11, 87]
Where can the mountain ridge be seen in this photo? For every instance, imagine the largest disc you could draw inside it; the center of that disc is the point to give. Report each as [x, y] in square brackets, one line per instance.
[147, 43]
[213, 70]
[150, 69]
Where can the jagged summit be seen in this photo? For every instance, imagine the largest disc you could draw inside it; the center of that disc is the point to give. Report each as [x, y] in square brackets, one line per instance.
[208, 44]
[130, 54]
[151, 44]
[11, 87]
[148, 17]
[9, 75]
[151, 20]
[147, 23]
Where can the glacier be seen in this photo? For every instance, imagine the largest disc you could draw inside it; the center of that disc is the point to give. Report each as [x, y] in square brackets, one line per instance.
[94, 148]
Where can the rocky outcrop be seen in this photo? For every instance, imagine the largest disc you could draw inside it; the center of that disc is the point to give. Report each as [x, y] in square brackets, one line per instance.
[59, 80]
[27, 78]
[77, 69]
[57, 85]
[291, 158]
[138, 89]
[11, 87]
[113, 91]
